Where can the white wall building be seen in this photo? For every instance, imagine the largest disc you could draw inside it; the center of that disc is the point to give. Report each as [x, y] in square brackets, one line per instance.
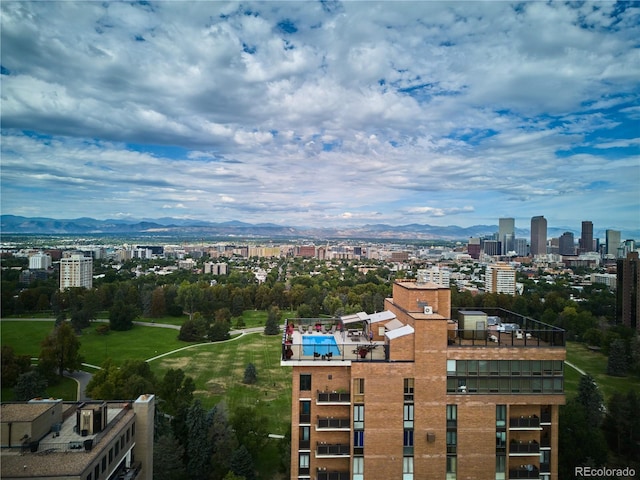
[40, 261]
[437, 275]
[500, 278]
[76, 271]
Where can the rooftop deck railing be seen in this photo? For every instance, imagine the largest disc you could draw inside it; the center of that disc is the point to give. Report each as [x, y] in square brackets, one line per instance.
[324, 475]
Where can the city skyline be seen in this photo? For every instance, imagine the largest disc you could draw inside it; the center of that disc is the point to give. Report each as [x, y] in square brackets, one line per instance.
[322, 114]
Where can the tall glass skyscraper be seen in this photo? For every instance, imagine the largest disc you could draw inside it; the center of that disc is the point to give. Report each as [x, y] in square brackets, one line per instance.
[586, 237]
[506, 234]
[538, 235]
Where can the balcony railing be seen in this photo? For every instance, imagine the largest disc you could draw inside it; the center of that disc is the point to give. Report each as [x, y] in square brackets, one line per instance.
[332, 449]
[334, 423]
[324, 475]
[530, 471]
[525, 422]
[532, 447]
[334, 397]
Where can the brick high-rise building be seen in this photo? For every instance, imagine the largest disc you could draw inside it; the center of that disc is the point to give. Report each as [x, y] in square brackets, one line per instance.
[500, 278]
[628, 291]
[411, 393]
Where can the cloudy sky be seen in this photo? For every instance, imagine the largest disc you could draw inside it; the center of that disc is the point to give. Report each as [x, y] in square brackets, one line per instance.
[323, 113]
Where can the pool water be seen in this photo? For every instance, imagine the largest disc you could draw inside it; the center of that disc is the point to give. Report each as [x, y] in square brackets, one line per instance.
[321, 344]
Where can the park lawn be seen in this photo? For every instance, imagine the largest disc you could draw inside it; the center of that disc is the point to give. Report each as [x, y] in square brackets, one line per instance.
[25, 336]
[218, 370]
[66, 389]
[251, 318]
[595, 364]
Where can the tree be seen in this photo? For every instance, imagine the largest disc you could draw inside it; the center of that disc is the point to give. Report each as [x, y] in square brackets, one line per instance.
[121, 316]
[117, 382]
[272, 326]
[158, 304]
[223, 441]
[168, 459]
[590, 397]
[242, 463]
[198, 448]
[176, 390]
[193, 329]
[13, 366]
[30, 385]
[622, 424]
[189, 296]
[219, 331]
[250, 374]
[617, 362]
[60, 351]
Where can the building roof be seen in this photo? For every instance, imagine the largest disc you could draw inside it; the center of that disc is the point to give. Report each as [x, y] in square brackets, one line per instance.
[400, 332]
[381, 316]
[393, 324]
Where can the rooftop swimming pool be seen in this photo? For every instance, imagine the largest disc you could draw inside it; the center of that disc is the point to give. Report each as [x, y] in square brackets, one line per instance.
[321, 344]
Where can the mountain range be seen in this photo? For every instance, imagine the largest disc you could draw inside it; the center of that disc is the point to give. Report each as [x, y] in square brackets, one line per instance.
[12, 224]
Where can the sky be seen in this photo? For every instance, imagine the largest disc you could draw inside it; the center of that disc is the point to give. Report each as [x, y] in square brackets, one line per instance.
[322, 113]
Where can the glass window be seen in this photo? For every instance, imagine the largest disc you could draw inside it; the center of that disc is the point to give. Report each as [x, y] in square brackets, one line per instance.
[104, 463]
[451, 385]
[547, 367]
[536, 367]
[525, 366]
[451, 367]
[305, 382]
[304, 434]
[493, 367]
[483, 367]
[407, 465]
[558, 367]
[452, 412]
[303, 460]
[503, 385]
[408, 415]
[504, 367]
[358, 465]
[536, 385]
[110, 455]
[501, 462]
[515, 367]
[358, 416]
[472, 366]
[557, 385]
[451, 467]
[305, 407]
[358, 438]
[501, 441]
[358, 386]
[408, 438]
[96, 472]
[501, 415]
[461, 367]
[408, 389]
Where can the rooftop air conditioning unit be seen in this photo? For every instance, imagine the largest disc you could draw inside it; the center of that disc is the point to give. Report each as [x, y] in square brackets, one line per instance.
[428, 309]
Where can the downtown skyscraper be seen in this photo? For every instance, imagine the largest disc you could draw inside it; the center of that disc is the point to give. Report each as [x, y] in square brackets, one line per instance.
[506, 234]
[538, 235]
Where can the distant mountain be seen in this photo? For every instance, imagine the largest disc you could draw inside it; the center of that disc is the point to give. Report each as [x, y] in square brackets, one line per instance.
[12, 224]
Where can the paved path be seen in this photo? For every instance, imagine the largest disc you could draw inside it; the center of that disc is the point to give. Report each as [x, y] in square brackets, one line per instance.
[578, 369]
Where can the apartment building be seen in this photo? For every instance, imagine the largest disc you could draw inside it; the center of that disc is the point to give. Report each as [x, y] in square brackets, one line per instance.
[628, 291]
[48, 438]
[420, 392]
[500, 278]
[76, 271]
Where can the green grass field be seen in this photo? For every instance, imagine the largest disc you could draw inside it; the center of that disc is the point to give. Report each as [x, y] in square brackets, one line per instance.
[595, 364]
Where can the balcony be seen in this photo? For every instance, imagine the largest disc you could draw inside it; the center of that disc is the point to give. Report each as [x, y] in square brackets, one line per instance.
[334, 398]
[324, 475]
[524, 448]
[324, 450]
[531, 422]
[333, 424]
[524, 471]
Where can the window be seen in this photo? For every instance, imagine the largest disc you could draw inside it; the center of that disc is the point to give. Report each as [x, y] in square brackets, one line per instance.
[304, 437]
[358, 438]
[96, 472]
[117, 447]
[303, 463]
[133, 429]
[358, 389]
[408, 389]
[452, 441]
[358, 468]
[104, 463]
[451, 367]
[501, 462]
[358, 442]
[407, 441]
[452, 416]
[305, 382]
[358, 416]
[501, 415]
[452, 462]
[89, 477]
[110, 455]
[501, 441]
[407, 468]
[408, 415]
[305, 411]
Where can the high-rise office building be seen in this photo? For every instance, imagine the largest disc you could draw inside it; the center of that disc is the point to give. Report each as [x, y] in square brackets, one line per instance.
[500, 278]
[566, 244]
[628, 291]
[506, 234]
[538, 236]
[613, 242]
[414, 392]
[586, 237]
[76, 271]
